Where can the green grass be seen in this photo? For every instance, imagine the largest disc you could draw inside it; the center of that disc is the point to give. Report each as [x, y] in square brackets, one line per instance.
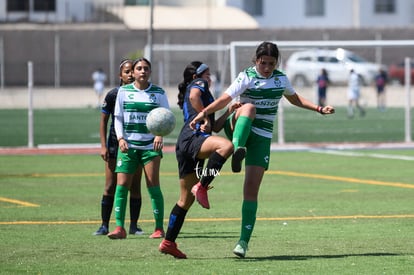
[67, 126]
[304, 126]
[318, 214]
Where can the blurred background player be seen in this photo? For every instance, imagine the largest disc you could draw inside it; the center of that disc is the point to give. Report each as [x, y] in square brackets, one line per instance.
[354, 93]
[109, 149]
[322, 81]
[137, 147]
[380, 81]
[99, 78]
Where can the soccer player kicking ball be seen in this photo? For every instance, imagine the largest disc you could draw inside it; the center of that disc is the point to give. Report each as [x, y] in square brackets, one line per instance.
[250, 127]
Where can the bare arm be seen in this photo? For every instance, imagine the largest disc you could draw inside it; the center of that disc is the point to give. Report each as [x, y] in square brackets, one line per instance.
[218, 104]
[197, 104]
[302, 102]
[219, 124]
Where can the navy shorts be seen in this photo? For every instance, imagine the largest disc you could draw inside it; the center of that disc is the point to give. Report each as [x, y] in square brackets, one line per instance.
[112, 144]
[186, 150]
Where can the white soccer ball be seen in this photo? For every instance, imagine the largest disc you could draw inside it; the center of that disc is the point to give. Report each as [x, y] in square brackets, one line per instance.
[160, 121]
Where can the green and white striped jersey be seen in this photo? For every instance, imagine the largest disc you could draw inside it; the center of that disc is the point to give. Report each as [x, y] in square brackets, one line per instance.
[131, 109]
[264, 93]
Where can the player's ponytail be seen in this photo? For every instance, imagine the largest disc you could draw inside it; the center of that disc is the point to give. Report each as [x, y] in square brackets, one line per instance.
[188, 75]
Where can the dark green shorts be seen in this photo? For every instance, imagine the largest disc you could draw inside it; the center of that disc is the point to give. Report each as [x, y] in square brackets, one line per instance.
[258, 147]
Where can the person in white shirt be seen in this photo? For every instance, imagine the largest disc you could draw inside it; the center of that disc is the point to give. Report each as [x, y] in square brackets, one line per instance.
[99, 78]
[354, 93]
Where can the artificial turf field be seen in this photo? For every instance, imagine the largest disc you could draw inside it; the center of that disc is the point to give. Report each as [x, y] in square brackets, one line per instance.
[81, 126]
[319, 213]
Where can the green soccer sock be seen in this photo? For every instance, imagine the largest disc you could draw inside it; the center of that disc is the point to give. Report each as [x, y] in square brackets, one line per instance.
[249, 209]
[241, 131]
[157, 202]
[121, 196]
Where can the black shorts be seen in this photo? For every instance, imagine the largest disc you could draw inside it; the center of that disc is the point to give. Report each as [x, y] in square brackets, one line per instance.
[112, 146]
[186, 150]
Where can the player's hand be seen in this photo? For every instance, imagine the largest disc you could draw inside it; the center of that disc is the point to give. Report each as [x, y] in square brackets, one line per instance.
[199, 117]
[104, 153]
[123, 145]
[158, 143]
[234, 107]
[205, 127]
[327, 110]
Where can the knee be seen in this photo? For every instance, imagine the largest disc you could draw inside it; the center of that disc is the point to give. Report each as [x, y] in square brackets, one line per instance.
[135, 193]
[249, 110]
[225, 148]
[229, 148]
[110, 188]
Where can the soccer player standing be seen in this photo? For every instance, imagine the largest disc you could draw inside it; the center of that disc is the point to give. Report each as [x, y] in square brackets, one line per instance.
[138, 147]
[109, 149]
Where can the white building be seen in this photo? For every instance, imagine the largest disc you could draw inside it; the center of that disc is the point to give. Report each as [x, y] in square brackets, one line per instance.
[216, 14]
[329, 13]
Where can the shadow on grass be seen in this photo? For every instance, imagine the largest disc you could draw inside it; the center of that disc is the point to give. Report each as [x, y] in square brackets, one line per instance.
[208, 235]
[310, 257]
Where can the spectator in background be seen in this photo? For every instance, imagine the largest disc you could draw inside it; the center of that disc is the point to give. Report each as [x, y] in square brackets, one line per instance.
[322, 81]
[99, 78]
[380, 81]
[354, 93]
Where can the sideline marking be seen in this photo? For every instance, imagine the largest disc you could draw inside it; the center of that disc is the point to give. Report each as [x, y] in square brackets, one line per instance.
[23, 203]
[349, 217]
[335, 178]
[273, 172]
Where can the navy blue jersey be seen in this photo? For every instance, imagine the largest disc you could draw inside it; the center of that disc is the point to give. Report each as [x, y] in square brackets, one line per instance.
[206, 98]
[189, 142]
[108, 108]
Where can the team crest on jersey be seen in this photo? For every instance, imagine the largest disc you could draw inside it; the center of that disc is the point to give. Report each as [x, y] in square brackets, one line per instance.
[277, 82]
[104, 104]
[200, 83]
[153, 98]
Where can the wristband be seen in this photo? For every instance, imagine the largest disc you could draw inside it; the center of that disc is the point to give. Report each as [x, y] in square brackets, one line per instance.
[320, 109]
